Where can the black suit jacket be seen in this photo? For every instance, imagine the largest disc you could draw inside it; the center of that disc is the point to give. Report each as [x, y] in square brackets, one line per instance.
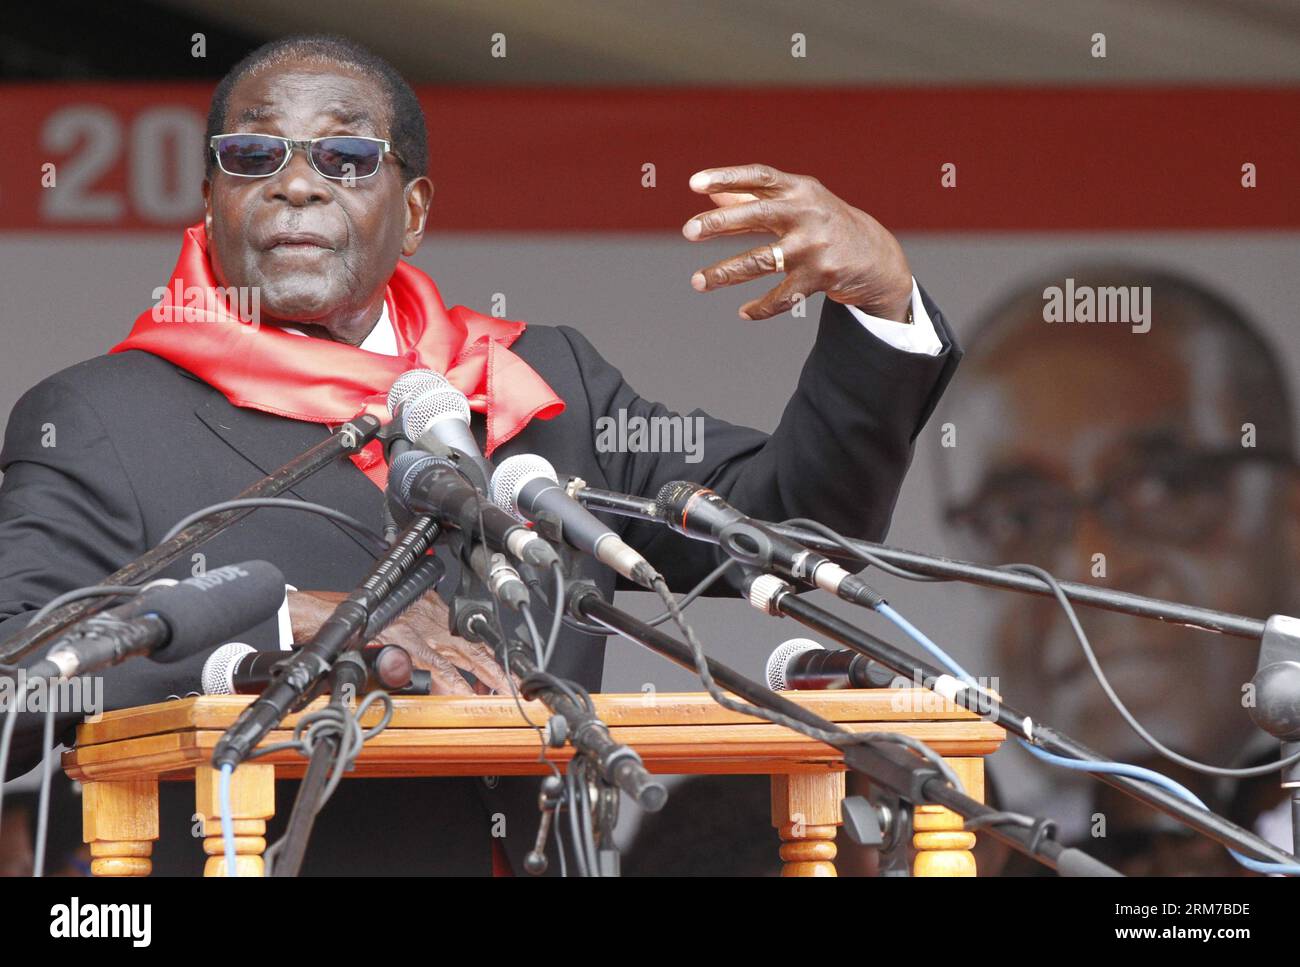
[101, 459]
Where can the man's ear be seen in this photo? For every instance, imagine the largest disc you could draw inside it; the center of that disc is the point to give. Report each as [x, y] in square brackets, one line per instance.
[207, 209]
[419, 199]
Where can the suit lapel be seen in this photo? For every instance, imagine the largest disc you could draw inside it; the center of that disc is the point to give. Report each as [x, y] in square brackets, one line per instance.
[268, 442]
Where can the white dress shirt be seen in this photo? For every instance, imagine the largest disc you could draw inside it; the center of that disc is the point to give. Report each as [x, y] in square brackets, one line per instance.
[919, 337]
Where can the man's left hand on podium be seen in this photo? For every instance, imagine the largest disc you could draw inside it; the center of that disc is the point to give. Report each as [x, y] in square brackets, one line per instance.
[422, 630]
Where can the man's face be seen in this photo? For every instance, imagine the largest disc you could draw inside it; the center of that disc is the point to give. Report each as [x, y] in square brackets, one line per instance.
[1081, 449]
[320, 250]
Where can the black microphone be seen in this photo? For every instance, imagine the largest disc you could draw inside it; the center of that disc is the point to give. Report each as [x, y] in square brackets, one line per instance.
[698, 512]
[438, 420]
[420, 483]
[169, 623]
[240, 669]
[525, 486]
[803, 664]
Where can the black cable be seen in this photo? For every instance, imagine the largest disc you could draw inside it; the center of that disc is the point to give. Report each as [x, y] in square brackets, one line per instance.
[557, 616]
[6, 740]
[575, 822]
[539, 646]
[93, 591]
[685, 600]
[283, 503]
[559, 842]
[587, 817]
[865, 557]
[1117, 702]
[43, 799]
[337, 720]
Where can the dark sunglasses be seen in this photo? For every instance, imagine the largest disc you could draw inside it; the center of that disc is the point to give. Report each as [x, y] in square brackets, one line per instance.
[340, 157]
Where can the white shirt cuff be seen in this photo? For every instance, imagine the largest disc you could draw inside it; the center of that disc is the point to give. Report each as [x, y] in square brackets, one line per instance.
[282, 618]
[919, 337]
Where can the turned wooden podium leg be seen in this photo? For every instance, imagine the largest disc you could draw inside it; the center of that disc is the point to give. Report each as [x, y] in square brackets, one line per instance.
[806, 813]
[252, 803]
[119, 821]
[943, 847]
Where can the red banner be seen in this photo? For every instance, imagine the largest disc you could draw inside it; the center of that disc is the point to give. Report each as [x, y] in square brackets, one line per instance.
[131, 156]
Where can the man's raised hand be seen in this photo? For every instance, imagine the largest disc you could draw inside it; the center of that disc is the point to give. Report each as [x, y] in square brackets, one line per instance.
[826, 245]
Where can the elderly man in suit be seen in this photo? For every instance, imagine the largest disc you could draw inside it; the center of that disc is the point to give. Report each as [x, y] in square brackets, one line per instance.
[316, 188]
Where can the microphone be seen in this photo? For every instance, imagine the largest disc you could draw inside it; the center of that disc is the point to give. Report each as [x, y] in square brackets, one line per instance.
[411, 384]
[240, 669]
[437, 420]
[420, 483]
[525, 486]
[169, 623]
[698, 512]
[803, 664]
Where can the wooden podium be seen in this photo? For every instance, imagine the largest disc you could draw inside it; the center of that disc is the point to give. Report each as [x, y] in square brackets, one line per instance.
[119, 758]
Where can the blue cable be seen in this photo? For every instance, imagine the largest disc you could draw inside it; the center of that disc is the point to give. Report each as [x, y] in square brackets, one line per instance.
[920, 638]
[1079, 765]
[227, 821]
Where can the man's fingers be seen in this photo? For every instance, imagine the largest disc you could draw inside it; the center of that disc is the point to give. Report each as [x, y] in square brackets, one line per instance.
[745, 267]
[777, 300]
[477, 659]
[755, 178]
[763, 215]
[443, 677]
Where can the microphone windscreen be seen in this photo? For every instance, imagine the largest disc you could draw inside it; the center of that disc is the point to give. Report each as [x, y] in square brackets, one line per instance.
[210, 608]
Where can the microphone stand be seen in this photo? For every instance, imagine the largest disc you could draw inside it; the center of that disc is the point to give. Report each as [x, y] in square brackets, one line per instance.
[606, 764]
[886, 767]
[307, 804]
[348, 439]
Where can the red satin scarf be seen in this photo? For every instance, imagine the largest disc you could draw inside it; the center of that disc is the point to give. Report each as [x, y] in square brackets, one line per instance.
[264, 368]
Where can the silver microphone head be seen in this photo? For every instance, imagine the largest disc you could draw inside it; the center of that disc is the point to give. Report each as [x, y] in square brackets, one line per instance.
[511, 475]
[423, 411]
[413, 383]
[219, 669]
[780, 659]
[404, 468]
